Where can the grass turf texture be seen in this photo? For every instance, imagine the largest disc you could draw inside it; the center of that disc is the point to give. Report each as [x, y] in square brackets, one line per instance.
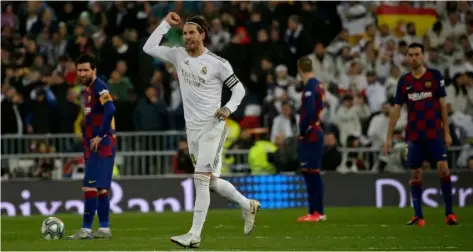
[345, 229]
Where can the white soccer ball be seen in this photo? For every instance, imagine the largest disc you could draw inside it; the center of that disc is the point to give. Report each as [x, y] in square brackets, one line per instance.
[52, 228]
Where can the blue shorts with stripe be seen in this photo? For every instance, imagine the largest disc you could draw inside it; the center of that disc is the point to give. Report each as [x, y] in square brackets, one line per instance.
[425, 150]
[98, 171]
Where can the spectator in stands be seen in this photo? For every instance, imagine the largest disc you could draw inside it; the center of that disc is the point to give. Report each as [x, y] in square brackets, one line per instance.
[353, 80]
[70, 113]
[348, 117]
[437, 35]
[323, 66]
[435, 60]
[285, 124]
[285, 158]
[8, 17]
[13, 110]
[56, 49]
[344, 60]
[411, 34]
[375, 92]
[378, 126]
[39, 119]
[296, 40]
[457, 94]
[151, 113]
[219, 37]
[44, 166]
[182, 163]
[119, 86]
[283, 85]
[332, 158]
[453, 27]
[392, 80]
[46, 24]
[84, 21]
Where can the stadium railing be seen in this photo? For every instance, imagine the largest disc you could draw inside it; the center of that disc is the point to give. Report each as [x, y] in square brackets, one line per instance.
[152, 153]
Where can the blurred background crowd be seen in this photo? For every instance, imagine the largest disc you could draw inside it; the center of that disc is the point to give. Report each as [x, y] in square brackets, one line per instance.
[357, 48]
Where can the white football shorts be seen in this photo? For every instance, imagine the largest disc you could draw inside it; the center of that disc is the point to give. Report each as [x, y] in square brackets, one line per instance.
[206, 145]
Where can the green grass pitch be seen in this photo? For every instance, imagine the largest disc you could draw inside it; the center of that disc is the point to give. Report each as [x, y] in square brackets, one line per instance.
[345, 229]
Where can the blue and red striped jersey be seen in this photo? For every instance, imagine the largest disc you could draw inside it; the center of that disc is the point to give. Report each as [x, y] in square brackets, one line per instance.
[422, 98]
[313, 97]
[99, 120]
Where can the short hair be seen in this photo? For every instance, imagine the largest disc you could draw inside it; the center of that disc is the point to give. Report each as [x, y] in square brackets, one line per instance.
[305, 64]
[417, 45]
[86, 58]
[402, 43]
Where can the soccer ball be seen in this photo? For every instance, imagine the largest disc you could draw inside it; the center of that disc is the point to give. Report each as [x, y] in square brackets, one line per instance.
[52, 228]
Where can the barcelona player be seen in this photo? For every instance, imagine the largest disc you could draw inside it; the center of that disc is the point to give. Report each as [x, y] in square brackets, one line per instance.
[99, 143]
[427, 130]
[311, 141]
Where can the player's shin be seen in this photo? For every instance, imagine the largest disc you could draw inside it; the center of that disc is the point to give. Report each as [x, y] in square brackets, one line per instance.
[202, 203]
[319, 193]
[228, 191]
[416, 193]
[90, 206]
[103, 209]
[446, 185]
[309, 182]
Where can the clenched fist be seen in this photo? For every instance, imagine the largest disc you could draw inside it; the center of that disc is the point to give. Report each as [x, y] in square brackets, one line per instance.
[173, 18]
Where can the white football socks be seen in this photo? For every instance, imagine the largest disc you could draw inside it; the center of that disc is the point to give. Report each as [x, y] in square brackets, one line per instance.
[228, 191]
[202, 203]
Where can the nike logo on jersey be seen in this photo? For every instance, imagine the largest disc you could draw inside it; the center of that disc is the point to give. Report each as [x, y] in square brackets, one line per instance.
[91, 181]
[408, 87]
[303, 164]
[186, 62]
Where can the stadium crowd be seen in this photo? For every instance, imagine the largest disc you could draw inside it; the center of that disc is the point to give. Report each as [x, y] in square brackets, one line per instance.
[358, 60]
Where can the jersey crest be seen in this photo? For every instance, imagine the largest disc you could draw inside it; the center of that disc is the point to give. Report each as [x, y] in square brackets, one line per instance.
[203, 71]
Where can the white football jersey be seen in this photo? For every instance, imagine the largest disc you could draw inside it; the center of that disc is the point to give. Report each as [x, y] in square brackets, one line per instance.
[201, 80]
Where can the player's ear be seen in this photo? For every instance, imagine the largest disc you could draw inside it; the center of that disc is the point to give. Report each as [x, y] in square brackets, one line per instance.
[203, 35]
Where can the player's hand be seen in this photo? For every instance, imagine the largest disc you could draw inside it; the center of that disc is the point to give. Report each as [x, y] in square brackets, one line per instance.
[173, 18]
[94, 143]
[387, 146]
[222, 113]
[448, 140]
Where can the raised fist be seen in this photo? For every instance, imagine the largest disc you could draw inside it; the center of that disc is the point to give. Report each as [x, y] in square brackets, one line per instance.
[173, 18]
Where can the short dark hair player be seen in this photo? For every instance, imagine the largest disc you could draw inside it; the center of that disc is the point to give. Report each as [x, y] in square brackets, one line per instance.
[427, 130]
[311, 140]
[99, 143]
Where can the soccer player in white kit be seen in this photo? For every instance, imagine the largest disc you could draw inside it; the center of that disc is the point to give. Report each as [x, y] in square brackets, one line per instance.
[202, 75]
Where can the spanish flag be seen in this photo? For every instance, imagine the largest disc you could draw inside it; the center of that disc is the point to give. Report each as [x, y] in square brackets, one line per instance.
[395, 16]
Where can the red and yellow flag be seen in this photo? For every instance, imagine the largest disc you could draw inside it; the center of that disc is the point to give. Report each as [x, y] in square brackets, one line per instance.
[395, 16]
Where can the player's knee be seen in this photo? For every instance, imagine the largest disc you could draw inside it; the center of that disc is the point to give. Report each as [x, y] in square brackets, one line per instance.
[88, 189]
[202, 179]
[442, 168]
[416, 175]
[213, 182]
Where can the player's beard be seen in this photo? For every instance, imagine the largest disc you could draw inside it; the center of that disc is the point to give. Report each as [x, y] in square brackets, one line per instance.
[191, 47]
[416, 65]
[85, 80]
